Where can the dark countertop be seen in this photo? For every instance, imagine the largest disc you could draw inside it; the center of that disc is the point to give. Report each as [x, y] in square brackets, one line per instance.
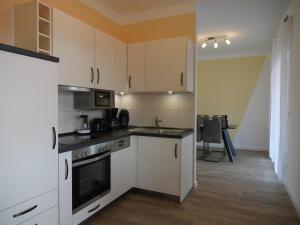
[109, 136]
[21, 51]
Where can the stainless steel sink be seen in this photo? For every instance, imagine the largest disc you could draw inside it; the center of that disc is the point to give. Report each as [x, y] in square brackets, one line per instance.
[157, 130]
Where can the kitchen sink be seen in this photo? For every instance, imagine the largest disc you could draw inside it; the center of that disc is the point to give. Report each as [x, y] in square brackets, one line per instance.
[157, 130]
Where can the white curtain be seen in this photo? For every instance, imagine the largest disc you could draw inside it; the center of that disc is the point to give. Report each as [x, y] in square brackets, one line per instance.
[281, 58]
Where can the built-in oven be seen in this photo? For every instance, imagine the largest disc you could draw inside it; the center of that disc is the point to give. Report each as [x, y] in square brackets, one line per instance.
[91, 175]
[94, 99]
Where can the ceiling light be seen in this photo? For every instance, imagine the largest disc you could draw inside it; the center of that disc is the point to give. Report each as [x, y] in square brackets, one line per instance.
[216, 45]
[228, 42]
[204, 45]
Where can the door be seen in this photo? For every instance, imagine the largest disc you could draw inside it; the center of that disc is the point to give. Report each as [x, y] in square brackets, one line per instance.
[65, 188]
[104, 60]
[29, 113]
[73, 43]
[166, 64]
[121, 172]
[137, 67]
[159, 164]
[121, 84]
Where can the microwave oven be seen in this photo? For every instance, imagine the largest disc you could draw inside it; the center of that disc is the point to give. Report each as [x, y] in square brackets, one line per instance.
[94, 99]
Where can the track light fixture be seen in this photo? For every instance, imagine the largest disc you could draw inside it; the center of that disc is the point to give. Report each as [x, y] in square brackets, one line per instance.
[216, 39]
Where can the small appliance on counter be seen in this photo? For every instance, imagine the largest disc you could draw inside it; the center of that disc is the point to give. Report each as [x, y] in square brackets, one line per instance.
[124, 118]
[85, 125]
[111, 116]
[100, 124]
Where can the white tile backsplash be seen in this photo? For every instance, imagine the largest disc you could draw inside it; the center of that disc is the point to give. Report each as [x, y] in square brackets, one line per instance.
[176, 110]
[69, 118]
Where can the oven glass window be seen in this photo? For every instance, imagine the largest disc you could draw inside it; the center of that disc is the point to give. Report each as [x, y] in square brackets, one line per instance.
[90, 181]
[102, 99]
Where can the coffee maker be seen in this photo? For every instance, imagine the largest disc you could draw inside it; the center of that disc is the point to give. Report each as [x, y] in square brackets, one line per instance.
[111, 116]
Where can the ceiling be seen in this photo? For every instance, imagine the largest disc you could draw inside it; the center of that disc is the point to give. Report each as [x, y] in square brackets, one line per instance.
[131, 11]
[250, 25]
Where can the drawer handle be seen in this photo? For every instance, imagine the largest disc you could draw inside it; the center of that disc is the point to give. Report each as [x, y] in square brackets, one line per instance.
[93, 209]
[175, 152]
[25, 211]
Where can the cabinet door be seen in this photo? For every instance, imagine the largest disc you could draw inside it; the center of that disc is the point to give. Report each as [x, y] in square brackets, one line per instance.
[121, 175]
[29, 113]
[159, 164]
[166, 64]
[50, 217]
[65, 188]
[121, 84]
[73, 43]
[137, 67]
[104, 60]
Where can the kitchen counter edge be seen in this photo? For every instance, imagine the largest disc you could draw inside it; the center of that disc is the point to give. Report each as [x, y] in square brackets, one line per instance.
[119, 134]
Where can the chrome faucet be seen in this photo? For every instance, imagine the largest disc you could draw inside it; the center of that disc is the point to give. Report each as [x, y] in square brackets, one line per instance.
[157, 121]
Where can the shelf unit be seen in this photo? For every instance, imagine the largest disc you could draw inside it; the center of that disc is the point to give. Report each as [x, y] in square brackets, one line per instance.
[33, 27]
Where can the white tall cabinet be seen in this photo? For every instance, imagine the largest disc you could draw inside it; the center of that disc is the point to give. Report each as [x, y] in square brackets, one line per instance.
[29, 153]
[73, 43]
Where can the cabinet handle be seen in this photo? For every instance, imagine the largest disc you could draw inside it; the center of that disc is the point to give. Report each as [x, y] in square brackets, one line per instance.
[181, 79]
[25, 211]
[66, 169]
[92, 75]
[98, 76]
[54, 137]
[93, 209]
[129, 81]
[175, 152]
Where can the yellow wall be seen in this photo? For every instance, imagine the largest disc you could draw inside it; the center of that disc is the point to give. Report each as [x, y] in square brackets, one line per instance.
[225, 86]
[183, 25]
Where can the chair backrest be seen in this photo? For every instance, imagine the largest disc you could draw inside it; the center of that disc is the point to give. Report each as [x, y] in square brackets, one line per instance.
[200, 121]
[212, 130]
[224, 120]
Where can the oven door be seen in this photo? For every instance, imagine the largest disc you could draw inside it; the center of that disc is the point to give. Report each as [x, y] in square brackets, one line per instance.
[90, 180]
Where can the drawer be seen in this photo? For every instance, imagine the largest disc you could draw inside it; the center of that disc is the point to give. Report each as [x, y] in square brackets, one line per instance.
[26, 210]
[50, 217]
[91, 209]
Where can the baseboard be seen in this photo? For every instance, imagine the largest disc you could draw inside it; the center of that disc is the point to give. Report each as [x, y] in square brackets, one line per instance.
[293, 200]
[239, 147]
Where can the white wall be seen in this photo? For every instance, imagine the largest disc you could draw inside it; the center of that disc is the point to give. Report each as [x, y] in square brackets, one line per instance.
[176, 110]
[293, 170]
[253, 133]
[68, 117]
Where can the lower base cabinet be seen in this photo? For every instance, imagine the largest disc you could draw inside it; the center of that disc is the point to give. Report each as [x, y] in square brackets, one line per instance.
[165, 165]
[50, 217]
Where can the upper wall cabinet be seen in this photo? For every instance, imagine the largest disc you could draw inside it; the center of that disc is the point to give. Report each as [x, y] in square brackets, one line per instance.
[137, 67]
[104, 60]
[33, 27]
[121, 84]
[169, 65]
[73, 43]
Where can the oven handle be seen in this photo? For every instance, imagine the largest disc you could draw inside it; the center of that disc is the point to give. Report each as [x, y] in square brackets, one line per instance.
[80, 163]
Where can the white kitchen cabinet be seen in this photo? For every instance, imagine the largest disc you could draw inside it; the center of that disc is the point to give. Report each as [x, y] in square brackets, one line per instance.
[169, 64]
[73, 43]
[50, 217]
[165, 165]
[29, 114]
[159, 165]
[134, 161]
[121, 172]
[65, 188]
[137, 67]
[121, 81]
[104, 60]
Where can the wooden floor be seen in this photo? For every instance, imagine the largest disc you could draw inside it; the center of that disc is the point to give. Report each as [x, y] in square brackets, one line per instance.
[246, 192]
